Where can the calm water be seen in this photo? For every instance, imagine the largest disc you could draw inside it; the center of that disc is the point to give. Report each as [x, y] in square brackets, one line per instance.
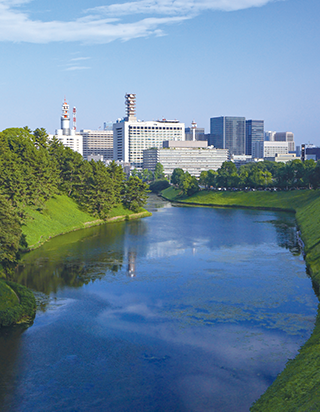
[192, 309]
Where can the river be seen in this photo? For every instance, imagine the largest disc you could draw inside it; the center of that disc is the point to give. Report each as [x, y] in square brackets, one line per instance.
[192, 309]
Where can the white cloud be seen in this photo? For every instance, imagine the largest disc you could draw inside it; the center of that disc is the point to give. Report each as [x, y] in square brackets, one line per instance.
[177, 7]
[72, 68]
[77, 59]
[102, 24]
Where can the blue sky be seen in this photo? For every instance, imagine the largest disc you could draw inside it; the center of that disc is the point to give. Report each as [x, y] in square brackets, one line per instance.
[191, 59]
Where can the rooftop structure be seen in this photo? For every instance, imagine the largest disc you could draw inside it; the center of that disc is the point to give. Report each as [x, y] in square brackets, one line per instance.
[130, 106]
[65, 135]
[131, 137]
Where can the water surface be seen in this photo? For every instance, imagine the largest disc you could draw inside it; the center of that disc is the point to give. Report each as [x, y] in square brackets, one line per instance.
[192, 309]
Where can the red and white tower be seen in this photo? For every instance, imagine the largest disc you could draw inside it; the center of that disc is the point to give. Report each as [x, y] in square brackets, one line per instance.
[74, 118]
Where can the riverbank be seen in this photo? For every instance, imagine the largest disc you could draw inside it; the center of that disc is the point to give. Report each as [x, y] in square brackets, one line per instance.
[17, 304]
[297, 387]
[62, 215]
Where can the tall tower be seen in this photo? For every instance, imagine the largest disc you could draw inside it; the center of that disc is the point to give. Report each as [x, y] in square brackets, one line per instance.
[193, 127]
[74, 118]
[130, 107]
[65, 119]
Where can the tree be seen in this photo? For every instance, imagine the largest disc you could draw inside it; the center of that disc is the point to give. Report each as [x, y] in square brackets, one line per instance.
[10, 236]
[118, 177]
[158, 172]
[177, 177]
[135, 193]
[203, 181]
[227, 175]
[211, 178]
[146, 175]
[190, 184]
[308, 175]
[40, 138]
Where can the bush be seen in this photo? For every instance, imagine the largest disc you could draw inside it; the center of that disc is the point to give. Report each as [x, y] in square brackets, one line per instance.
[21, 312]
[159, 185]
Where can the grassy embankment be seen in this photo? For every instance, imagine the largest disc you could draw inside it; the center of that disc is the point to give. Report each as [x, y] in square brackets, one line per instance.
[297, 388]
[62, 215]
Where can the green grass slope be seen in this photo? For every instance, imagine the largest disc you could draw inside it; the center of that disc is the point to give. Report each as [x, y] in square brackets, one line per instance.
[259, 199]
[297, 388]
[62, 215]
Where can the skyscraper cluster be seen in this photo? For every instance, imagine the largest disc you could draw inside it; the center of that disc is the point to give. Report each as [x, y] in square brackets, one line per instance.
[130, 140]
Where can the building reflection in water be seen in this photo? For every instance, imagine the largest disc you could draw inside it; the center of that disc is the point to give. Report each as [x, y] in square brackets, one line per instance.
[132, 264]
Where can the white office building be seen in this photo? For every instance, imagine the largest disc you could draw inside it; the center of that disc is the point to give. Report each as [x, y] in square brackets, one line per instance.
[271, 149]
[191, 156]
[131, 136]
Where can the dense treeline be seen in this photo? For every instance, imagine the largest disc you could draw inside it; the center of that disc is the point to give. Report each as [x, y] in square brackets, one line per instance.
[33, 169]
[260, 175]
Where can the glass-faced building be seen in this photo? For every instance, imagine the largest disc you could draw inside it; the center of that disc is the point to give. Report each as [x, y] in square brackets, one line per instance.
[254, 138]
[229, 132]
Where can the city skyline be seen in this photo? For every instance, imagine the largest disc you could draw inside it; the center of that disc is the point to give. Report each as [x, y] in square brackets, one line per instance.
[184, 60]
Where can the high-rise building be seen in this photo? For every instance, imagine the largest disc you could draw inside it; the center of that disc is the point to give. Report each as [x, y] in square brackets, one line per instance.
[228, 132]
[131, 136]
[254, 138]
[310, 151]
[269, 136]
[285, 137]
[97, 142]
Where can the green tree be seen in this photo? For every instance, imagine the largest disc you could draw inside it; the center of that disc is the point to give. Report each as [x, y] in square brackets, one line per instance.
[177, 177]
[227, 175]
[158, 172]
[203, 181]
[118, 177]
[135, 193]
[190, 184]
[40, 137]
[309, 167]
[10, 236]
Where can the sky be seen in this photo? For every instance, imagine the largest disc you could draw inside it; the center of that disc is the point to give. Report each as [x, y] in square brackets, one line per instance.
[184, 59]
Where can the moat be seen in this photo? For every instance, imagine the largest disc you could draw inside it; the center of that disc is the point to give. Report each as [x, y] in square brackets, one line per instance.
[192, 309]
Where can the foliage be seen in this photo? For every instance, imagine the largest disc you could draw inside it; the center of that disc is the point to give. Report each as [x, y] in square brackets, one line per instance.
[8, 298]
[135, 193]
[158, 172]
[184, 181]
[159, 185]
[177, 177]
[23, 311]
[260, 175]
[145, 175]
[10, 236]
